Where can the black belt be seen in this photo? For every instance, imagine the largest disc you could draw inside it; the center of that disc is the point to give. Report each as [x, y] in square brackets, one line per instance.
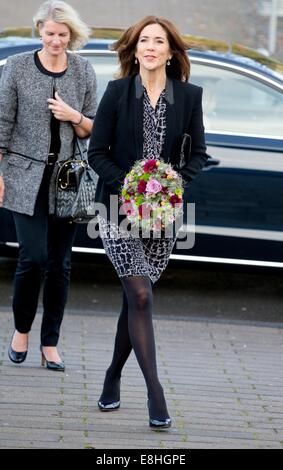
[52, 158]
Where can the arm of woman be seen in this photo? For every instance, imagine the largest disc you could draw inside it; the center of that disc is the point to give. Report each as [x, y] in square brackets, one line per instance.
[2, 185]
[101, 140]
[8, 103]
[82, 121]
[8, 112]
[198, 155]
[85, 120]
[63, 112]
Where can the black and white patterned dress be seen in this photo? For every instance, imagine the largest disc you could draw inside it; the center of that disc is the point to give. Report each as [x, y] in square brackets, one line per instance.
[133, 256]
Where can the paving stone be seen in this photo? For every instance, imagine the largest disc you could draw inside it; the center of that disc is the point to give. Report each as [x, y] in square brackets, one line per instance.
[223, 385]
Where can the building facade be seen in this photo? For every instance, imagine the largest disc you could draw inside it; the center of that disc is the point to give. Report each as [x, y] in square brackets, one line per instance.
[240, 21]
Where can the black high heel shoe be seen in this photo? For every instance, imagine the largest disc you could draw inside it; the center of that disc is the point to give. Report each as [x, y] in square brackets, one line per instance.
[15, 356]
[105, 405]
[55, 366]
[108, 406]
[159, 424]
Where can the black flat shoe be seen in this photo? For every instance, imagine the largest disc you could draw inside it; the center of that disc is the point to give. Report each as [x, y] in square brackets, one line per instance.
[55, 366]
[15, 356]
[160, 424]
[108, 406]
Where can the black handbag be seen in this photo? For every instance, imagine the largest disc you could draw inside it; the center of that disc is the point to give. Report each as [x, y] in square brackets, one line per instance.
[186, 148]
[75, 187]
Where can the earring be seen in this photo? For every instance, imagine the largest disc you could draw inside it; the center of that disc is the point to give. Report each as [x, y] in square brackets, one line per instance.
[168, 62]
[136, 60]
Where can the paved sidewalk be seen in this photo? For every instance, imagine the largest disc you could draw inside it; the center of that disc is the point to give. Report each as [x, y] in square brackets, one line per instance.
[223, 384]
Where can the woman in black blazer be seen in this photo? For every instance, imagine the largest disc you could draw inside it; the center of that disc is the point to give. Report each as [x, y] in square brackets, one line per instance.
[143, 115]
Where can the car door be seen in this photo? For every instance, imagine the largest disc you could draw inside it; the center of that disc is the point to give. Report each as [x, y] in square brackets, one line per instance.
[239, 196]
[105, 64]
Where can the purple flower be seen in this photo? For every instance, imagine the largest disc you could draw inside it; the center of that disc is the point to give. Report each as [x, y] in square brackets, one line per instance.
[153, 186]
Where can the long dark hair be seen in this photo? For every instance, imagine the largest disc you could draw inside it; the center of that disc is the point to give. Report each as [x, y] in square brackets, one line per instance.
[179, 67]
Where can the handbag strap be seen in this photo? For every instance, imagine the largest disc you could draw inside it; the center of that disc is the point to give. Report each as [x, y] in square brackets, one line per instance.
[184, 159]
[77, 143]
[186, 137]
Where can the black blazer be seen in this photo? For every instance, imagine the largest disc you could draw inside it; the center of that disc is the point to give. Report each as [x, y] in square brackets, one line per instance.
[117, 137]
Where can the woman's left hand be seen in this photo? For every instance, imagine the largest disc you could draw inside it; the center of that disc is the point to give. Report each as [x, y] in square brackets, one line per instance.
[62, 111]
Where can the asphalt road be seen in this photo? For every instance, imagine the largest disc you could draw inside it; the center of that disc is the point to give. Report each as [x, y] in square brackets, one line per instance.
[191, 291]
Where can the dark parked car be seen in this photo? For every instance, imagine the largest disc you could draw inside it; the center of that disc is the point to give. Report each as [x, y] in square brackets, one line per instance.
[239, 195]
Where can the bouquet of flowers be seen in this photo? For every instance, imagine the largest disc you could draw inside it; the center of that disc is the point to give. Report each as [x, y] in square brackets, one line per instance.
[152, 195]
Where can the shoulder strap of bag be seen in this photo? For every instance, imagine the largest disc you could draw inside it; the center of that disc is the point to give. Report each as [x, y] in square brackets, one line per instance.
[186, 140]
[185, 158]
[77, 143]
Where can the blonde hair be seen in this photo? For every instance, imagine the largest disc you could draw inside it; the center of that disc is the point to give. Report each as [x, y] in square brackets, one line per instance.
[61, 12]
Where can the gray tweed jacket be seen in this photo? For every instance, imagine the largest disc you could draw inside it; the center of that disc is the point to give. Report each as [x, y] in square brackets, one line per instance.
[25, 123]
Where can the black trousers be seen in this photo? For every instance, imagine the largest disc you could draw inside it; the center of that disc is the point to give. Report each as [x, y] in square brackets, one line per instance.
[45, 246]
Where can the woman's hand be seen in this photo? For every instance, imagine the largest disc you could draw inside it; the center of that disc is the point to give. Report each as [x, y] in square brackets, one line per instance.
[2, 185]
[63, 112]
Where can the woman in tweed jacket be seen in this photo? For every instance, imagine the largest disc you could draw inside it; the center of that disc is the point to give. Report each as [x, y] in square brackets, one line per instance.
[46, 98]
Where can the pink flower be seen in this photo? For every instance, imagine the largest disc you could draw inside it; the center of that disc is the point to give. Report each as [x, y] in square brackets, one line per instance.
[128, 209]
[144, 211]
[150, 166]
[171, 173]
[153, 186]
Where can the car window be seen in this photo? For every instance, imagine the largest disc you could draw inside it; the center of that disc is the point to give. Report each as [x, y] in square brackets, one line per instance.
[236, 103]
[106, 66]
[232, 102]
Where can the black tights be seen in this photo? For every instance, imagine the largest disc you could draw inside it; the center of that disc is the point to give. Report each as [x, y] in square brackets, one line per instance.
[135, 331]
